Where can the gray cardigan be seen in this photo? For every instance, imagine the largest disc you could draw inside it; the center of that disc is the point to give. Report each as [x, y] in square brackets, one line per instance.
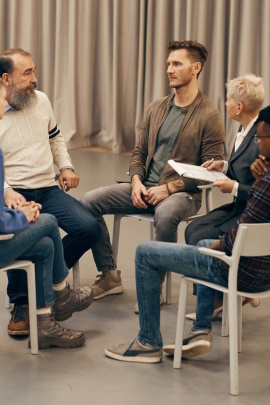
[239, 170]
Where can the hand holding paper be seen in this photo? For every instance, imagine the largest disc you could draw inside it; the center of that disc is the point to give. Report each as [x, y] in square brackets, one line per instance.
[196, 172]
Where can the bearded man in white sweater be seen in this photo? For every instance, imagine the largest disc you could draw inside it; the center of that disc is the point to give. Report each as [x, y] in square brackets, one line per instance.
[31, 144]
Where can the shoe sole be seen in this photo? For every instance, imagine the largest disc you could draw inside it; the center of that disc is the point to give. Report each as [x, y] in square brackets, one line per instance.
[116, 290]
[191, 317]
[60, 317]
[19, 333]
[138, 359]
[68, 344]
[169, 349]
[192, 350]
[196, 349]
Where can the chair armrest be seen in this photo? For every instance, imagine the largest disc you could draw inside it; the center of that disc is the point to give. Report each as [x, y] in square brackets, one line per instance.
[211, 252]
[208, 196]
[216, 253]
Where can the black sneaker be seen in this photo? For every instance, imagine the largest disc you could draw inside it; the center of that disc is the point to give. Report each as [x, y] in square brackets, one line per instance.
[197, 342]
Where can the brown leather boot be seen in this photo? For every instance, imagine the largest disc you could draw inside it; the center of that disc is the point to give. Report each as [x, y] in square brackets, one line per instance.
[19, 322]
[71, 300]
[51, 333]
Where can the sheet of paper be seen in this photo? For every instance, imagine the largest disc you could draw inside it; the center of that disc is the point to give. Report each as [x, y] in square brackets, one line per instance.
[196, 172]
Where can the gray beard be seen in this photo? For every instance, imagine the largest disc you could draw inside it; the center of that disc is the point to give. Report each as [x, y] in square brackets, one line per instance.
[20, 99]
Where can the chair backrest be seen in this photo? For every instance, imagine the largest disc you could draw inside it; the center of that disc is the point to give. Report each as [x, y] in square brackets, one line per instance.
[252, 240]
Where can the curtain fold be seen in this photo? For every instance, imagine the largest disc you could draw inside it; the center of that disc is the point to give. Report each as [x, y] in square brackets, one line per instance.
[101, 62]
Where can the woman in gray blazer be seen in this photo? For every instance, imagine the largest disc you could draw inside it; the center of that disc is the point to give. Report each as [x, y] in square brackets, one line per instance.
[245, 95]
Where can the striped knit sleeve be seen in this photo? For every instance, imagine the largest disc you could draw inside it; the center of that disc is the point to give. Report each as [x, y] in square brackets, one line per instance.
[57, 143]
[54, 132]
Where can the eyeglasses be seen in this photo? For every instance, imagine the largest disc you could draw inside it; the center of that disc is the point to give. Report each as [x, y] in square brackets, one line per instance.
[257, 137]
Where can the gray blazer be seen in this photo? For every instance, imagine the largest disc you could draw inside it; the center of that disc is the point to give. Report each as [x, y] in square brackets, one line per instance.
[239, 170]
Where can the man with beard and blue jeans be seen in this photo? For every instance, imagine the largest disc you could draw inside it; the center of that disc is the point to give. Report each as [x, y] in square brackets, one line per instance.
[31, 143]
[155, 258]
[36, 238]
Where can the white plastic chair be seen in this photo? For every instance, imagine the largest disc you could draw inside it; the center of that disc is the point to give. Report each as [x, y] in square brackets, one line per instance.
[31, 283]
[207, 197]
[251, 240]
[76, 280]
[76, 275]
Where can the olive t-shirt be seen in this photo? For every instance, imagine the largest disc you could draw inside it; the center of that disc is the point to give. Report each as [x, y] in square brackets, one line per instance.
[166, 138]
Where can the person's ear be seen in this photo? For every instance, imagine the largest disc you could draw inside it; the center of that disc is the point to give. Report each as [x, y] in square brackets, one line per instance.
[196, 68]
[6, 79]
[240, 107]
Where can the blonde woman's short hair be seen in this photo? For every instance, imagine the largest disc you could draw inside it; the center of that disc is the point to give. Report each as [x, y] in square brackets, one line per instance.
[247, 89]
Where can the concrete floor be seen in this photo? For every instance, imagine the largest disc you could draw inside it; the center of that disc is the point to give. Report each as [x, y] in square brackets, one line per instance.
[86, 376]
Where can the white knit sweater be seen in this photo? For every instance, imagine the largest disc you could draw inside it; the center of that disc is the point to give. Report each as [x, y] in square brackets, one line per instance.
[31, 143]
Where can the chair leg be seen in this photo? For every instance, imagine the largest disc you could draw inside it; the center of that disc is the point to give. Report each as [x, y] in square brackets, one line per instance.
[168, 287]
[209, 200]
[225, 317]
[116, 233]
[239, 322]
[152, 230]
[233, 339]
[32, 308]
[180, 323]
[76, 275]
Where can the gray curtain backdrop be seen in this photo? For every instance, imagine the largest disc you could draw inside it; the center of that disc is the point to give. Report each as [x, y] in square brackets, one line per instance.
[101, 62]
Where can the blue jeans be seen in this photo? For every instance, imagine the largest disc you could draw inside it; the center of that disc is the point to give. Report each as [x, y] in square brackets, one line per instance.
[206, 228]
[41, 244]
[116, 199]
[152, 260]
[81, 227]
